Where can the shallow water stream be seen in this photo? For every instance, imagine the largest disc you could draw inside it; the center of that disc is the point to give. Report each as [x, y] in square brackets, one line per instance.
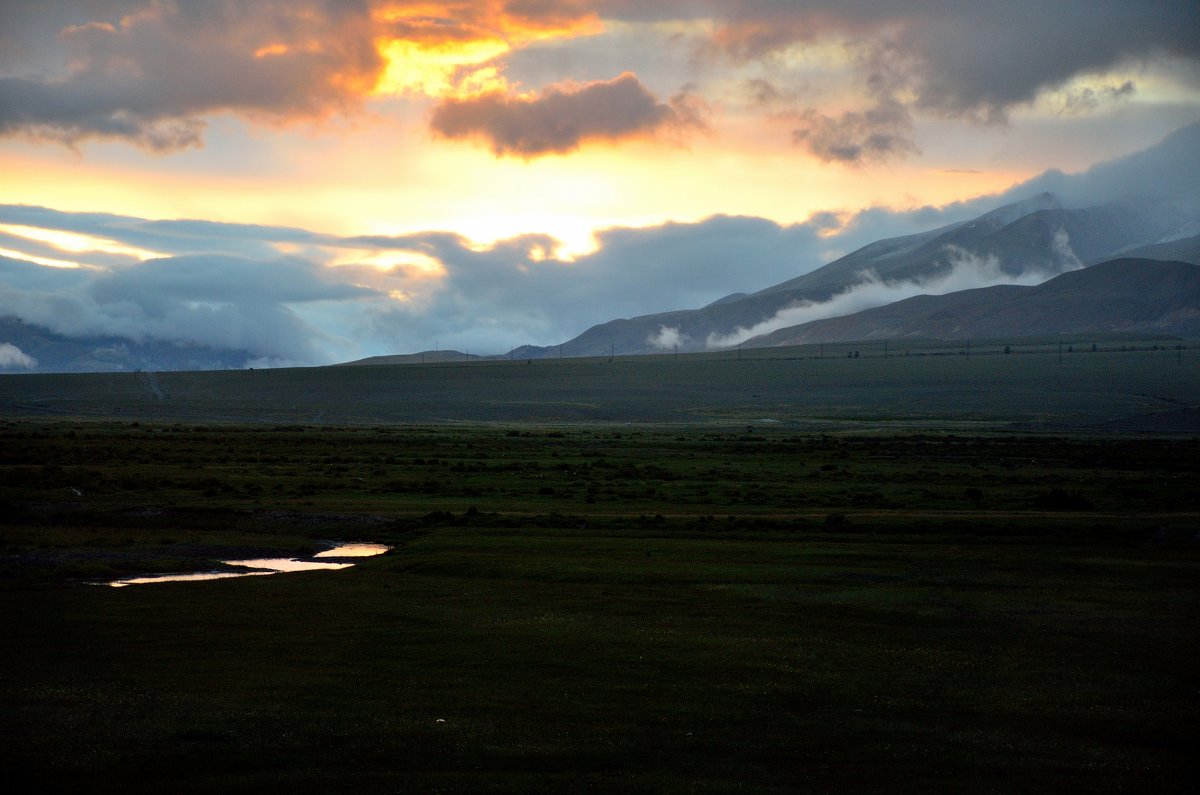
[259, 567]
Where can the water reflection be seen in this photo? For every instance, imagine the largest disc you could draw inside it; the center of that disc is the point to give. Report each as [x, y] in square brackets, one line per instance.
[353, 551]
[263, 566]
[206, 575]
[274, 565]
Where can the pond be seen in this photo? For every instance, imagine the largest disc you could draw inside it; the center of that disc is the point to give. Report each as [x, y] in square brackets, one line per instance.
[259, 567]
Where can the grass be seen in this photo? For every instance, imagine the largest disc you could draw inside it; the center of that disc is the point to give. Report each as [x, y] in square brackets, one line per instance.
[594, 608]
[513, 661]
[924, 572]
[923, 385]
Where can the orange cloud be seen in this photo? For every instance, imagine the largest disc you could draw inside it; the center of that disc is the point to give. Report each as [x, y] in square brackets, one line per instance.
[151, 75]
[450, 49]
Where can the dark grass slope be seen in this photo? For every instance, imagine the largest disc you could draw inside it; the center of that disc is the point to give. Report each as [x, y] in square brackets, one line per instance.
[552, 661]
[603, 610]
[915, 382]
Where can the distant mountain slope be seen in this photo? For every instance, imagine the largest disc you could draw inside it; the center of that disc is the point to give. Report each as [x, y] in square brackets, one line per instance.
[1183, 250]
[1119, 295]
[107, 354]
[424, 357]
[1027, 241]
[913, 255]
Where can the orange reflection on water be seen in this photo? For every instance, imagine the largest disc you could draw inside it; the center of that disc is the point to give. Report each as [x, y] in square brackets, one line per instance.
[354, 551]
[263, 566]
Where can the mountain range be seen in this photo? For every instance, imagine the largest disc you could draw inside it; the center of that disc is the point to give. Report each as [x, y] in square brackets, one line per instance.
[101, 354]
[1116, 248]
[1120, 295]
[1024, 243]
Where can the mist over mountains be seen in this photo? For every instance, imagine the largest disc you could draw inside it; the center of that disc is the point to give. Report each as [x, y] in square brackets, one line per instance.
[1021, 244]
[1122, 295]
[266, 310]
[1155, 215]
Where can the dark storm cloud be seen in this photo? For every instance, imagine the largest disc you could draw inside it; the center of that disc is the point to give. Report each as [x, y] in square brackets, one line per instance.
[878, 133]
[147, 75]
[976, 58]
[563, 116]
[971, 60]
[150, 72]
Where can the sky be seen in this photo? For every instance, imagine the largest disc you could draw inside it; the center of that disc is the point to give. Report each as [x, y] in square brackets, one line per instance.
[320, 180]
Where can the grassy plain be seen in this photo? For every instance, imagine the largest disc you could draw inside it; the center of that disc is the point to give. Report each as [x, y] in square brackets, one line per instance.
[797, 570]
[713, 608]
[919, 385]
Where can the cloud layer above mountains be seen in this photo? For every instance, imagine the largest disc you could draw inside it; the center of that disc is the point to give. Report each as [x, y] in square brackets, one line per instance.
[288, 295]
[410, 173]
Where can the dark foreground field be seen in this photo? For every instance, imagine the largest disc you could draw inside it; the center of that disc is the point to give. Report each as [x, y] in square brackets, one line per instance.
[1144, 384]
[599, 609]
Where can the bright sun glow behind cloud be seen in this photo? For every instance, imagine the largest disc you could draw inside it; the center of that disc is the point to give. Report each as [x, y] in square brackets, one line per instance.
[413, 263]
[435, 58]
[76, 242]
[510, 157]
[49, 262]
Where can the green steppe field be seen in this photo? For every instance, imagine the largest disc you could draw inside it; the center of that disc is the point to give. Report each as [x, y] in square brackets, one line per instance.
[796, 572]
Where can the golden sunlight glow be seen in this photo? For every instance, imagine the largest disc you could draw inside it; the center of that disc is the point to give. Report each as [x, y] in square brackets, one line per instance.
[271, 49]
[414, 263]
[430, 56]
[279, 48]
[76, 242]
[47, 261]
[440, 69]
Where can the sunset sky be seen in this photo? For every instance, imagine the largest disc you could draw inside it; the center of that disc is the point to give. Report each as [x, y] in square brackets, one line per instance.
[316, 181]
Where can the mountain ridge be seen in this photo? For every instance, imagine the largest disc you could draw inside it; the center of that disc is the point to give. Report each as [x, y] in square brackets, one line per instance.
[1125, 294]
[1027, 241]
